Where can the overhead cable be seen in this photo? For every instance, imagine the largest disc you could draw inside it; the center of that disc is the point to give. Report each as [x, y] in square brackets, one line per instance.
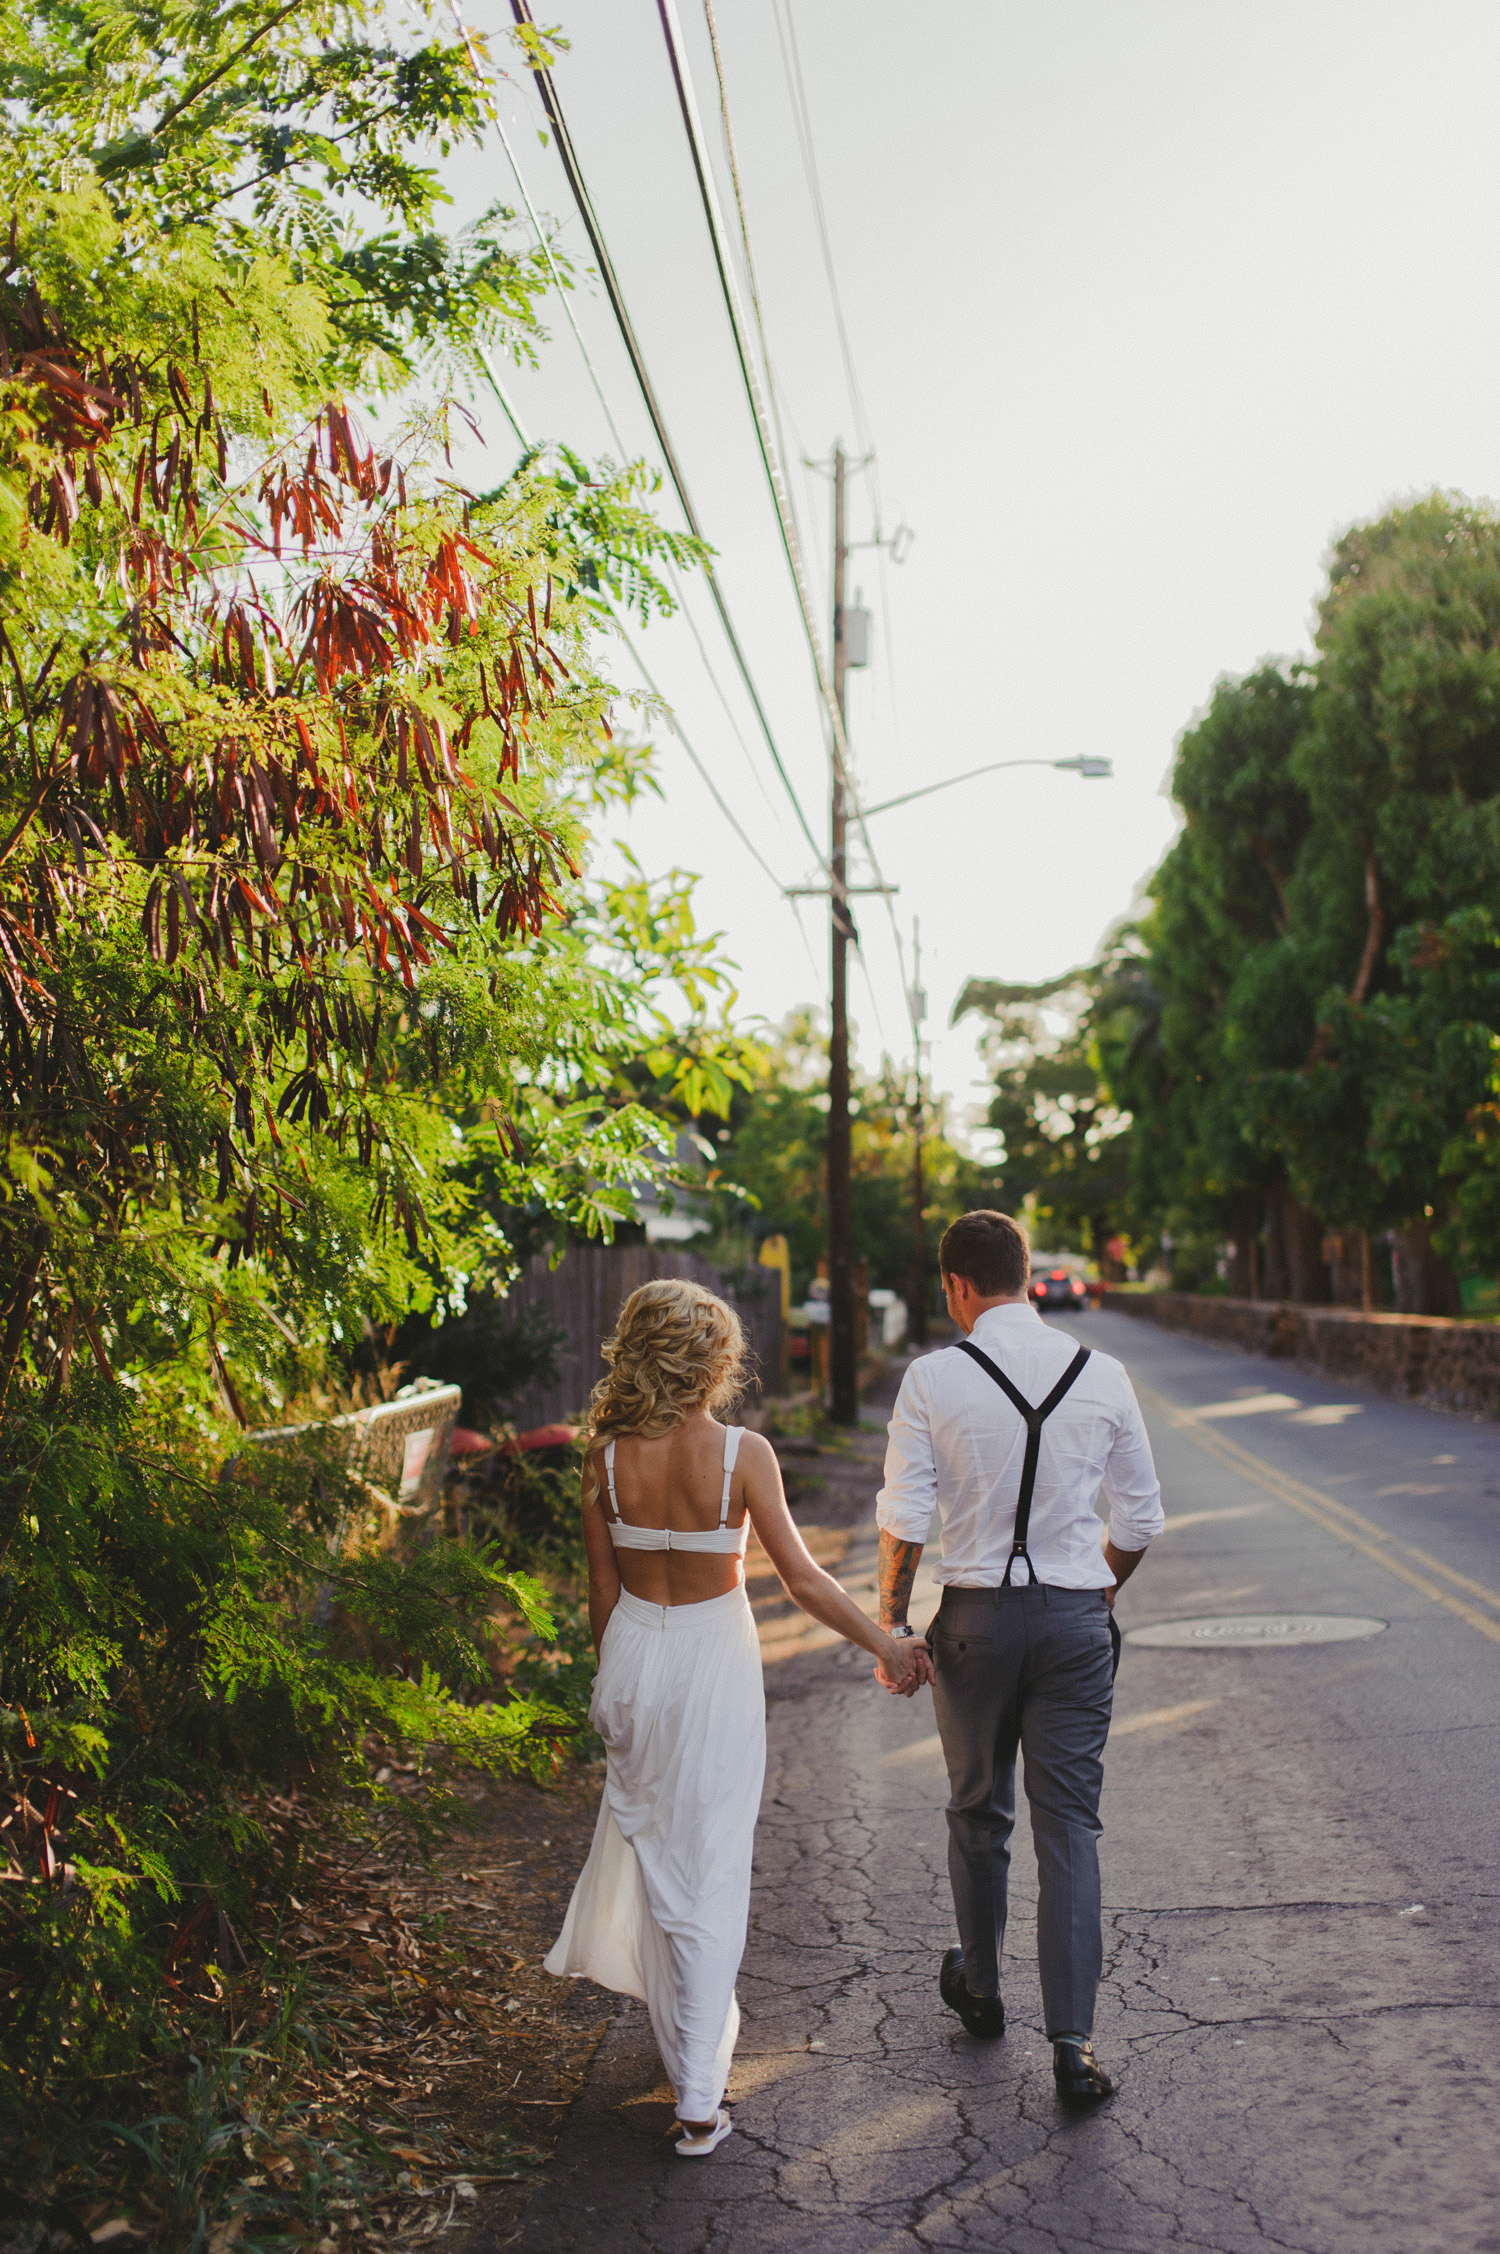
[780, 490]
[708, 191]
[569, 160]
[678, 731]
[791, 63]
[713, 789]
[557, 283]
[498, 388]
[641, 666]
[772, 387]
[614, 430]
[718, 688]
[709, 194]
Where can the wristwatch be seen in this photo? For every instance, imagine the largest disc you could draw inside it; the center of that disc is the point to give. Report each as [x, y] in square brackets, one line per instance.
[905, 1629]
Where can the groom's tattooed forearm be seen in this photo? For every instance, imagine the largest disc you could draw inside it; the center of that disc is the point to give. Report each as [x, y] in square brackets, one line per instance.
[898, 1570]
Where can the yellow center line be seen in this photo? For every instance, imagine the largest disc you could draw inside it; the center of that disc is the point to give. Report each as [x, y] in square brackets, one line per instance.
[1334, 1517]
[1459, 1580]
[1161, 1716]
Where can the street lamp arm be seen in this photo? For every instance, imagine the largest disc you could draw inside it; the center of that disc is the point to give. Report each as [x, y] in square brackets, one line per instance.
[1088, 767]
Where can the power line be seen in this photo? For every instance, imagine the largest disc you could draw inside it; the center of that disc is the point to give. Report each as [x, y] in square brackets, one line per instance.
[708, 192]
[641, 666]
[768, 444]
[718, 689]
[569, 160]
[842, 1357]
[680, 733]
[772, 387]
[614, 431]
[498, 388]
[709, 195]
[571, 167]
[881, 565]
[671, 717]
[557, 284]
[791, 63]
[818, 972]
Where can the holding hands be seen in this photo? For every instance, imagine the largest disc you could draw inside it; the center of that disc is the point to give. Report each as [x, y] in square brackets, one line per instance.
[904, 1667]
[903, 1663]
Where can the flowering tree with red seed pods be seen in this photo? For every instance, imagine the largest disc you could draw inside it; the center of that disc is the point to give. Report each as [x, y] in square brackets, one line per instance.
[293, 762]
[304, 985]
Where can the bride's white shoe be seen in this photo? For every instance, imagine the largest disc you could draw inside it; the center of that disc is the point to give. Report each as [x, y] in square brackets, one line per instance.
[693, 2147]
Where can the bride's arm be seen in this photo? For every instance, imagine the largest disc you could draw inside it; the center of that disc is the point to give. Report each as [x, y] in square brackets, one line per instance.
[604, 1574]
[805, 1582]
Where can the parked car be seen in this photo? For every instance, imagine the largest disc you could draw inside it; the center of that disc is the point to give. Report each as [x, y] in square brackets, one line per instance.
[1055, 1287]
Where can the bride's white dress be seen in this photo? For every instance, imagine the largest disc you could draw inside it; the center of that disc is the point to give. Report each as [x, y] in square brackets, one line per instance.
[661, 1906]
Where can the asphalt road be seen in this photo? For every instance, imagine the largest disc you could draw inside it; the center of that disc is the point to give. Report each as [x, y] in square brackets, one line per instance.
[1301, 1878]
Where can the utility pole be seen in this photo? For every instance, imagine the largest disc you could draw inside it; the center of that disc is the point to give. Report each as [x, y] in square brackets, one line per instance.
[842, 1377]
[850, 648]
[916, 1321]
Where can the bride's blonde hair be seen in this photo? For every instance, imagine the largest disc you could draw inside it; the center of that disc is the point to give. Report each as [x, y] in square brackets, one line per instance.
[676, 1348]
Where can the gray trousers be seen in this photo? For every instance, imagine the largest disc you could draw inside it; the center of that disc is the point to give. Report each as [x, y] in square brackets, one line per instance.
[1027, 1667]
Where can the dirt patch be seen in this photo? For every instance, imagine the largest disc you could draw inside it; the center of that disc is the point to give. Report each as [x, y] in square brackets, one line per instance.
[451, 2048]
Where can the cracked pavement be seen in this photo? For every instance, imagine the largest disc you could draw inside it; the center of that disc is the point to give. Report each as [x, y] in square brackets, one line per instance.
[1300, 1877]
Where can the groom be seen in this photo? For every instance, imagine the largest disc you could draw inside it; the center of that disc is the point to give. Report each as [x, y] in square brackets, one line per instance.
[1010, 1434]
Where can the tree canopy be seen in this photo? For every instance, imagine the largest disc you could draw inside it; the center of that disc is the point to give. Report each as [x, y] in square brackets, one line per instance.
[1302, 1030]
[310, 1006]
[769, 1172]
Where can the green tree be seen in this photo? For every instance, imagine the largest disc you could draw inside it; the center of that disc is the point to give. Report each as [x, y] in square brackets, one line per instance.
[770, 1161]
[1222, 994]
[1305, 1041]
[235, 145]
[303, 987]
[1066, 1142]
[1402, 775]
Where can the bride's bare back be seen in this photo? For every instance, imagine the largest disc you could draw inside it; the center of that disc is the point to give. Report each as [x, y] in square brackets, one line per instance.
[676, 1354]
[677, 1481]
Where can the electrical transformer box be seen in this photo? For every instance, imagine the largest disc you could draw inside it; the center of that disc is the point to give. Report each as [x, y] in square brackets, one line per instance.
[854, 627]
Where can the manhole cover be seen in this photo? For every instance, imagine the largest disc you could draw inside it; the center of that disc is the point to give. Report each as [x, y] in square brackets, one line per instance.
[1253, 1630]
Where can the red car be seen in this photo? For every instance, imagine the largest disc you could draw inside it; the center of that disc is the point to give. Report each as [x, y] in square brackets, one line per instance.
[1056, 1287]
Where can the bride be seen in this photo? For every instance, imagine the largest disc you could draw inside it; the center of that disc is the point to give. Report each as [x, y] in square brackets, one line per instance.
[669, 1495]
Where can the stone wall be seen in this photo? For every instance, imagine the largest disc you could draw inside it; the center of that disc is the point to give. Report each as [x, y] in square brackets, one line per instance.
[1413, 1357]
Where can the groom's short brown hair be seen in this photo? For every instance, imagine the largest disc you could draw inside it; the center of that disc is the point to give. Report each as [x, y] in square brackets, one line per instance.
[990, 1249]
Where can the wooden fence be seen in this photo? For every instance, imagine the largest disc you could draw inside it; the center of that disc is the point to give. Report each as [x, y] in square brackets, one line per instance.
[583, 1296]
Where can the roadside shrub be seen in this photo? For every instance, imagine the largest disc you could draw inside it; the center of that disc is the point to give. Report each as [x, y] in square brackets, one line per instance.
[177, 1640]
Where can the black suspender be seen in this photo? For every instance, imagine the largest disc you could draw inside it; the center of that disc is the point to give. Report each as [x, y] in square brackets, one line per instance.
[1034, 1419]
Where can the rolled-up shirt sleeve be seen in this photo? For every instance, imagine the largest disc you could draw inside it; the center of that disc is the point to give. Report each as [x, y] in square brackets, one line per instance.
[1131, 1486]
[906, 1502]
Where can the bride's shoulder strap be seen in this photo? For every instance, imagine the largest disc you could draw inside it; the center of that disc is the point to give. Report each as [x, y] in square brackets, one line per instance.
[732, 1437]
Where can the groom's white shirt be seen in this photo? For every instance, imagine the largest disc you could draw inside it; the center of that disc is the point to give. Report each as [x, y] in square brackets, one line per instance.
[956, 1445]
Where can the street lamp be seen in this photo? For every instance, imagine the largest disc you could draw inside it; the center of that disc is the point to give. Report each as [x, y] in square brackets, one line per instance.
[1089, 768]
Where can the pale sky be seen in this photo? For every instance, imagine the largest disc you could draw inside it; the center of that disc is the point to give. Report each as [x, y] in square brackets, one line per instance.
[1149, 299]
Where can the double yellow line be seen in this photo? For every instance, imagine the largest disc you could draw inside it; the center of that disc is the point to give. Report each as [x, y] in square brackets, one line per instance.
[1336, 1518]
